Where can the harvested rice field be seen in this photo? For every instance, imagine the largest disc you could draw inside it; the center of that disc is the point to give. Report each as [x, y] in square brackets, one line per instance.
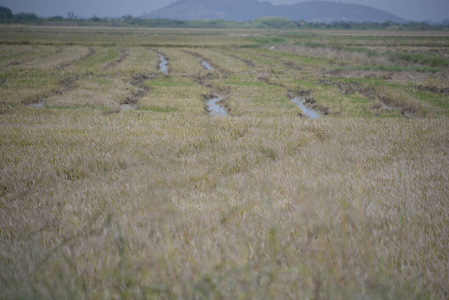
[140, 163]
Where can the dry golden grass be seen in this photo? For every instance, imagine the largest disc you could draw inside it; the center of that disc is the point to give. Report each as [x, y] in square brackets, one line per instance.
[28, 86]
[101, 92]
[140, 60]
[170, 94]
[182, 63]
[32, 53]
[110, 36]
[60, 58]
[170, 206]
[10, 51]
[223, 62]
[167, 202]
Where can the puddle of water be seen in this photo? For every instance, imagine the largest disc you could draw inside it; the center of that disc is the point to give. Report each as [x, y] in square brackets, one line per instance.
[37, 105]
[163, 64]
[386, 107]
[216, 109]
[126, 107]
[307, 111]
[206, 65]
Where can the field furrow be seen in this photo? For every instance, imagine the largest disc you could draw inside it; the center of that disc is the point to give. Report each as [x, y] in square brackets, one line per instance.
[59, 59]
[175, 163]
[139, 60]
[36, 53]
[174, 94]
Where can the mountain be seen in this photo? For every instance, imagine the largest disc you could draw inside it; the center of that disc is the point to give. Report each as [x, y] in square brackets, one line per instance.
[247, 10]
[327, 12]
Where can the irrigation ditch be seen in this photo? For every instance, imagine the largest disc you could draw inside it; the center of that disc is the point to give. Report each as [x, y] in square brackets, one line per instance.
[163, 63]
[308, 105]
[208, 66]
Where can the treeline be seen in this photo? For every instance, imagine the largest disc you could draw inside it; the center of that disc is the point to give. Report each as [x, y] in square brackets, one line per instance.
[7, 17]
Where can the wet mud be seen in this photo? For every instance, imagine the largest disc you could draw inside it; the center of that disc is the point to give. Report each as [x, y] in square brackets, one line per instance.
[386, 107]
[203, 79]
[128, 107]
[40, 104]
[131, 101]
[266, 80]
[308, 105]
[65, 84]
[433, 89]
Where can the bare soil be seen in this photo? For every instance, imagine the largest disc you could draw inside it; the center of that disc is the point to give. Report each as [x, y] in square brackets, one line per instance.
[142, 90]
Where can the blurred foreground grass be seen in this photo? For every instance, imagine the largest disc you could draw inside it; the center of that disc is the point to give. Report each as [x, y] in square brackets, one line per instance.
[167, 202]
[150, 205]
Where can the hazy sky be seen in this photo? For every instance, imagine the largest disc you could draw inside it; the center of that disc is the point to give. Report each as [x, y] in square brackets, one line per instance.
[415, 10]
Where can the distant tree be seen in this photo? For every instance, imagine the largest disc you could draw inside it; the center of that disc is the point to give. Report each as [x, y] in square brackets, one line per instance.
[5, 13]
[56, 18]
[26, 17]
[275, 22]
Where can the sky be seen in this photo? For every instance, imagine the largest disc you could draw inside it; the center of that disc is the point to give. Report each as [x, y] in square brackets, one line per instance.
[413, 10]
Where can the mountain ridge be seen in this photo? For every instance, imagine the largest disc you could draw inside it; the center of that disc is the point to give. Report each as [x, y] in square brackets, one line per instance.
[248, 10]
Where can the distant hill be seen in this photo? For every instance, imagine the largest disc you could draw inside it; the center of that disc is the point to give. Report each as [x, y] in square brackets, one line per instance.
[247, 10]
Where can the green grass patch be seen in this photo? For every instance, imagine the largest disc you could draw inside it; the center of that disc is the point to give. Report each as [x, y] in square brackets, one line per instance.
[100, 57]
[390, 69]
[244, 83]
[102, 81]
[76, 107]
[420, 58]
[267, 40]
[298, 59]
[171, 82]
[159, 109]
[438, 100]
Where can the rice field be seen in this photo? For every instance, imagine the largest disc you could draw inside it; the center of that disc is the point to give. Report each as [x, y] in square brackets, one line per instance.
[118, 180]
